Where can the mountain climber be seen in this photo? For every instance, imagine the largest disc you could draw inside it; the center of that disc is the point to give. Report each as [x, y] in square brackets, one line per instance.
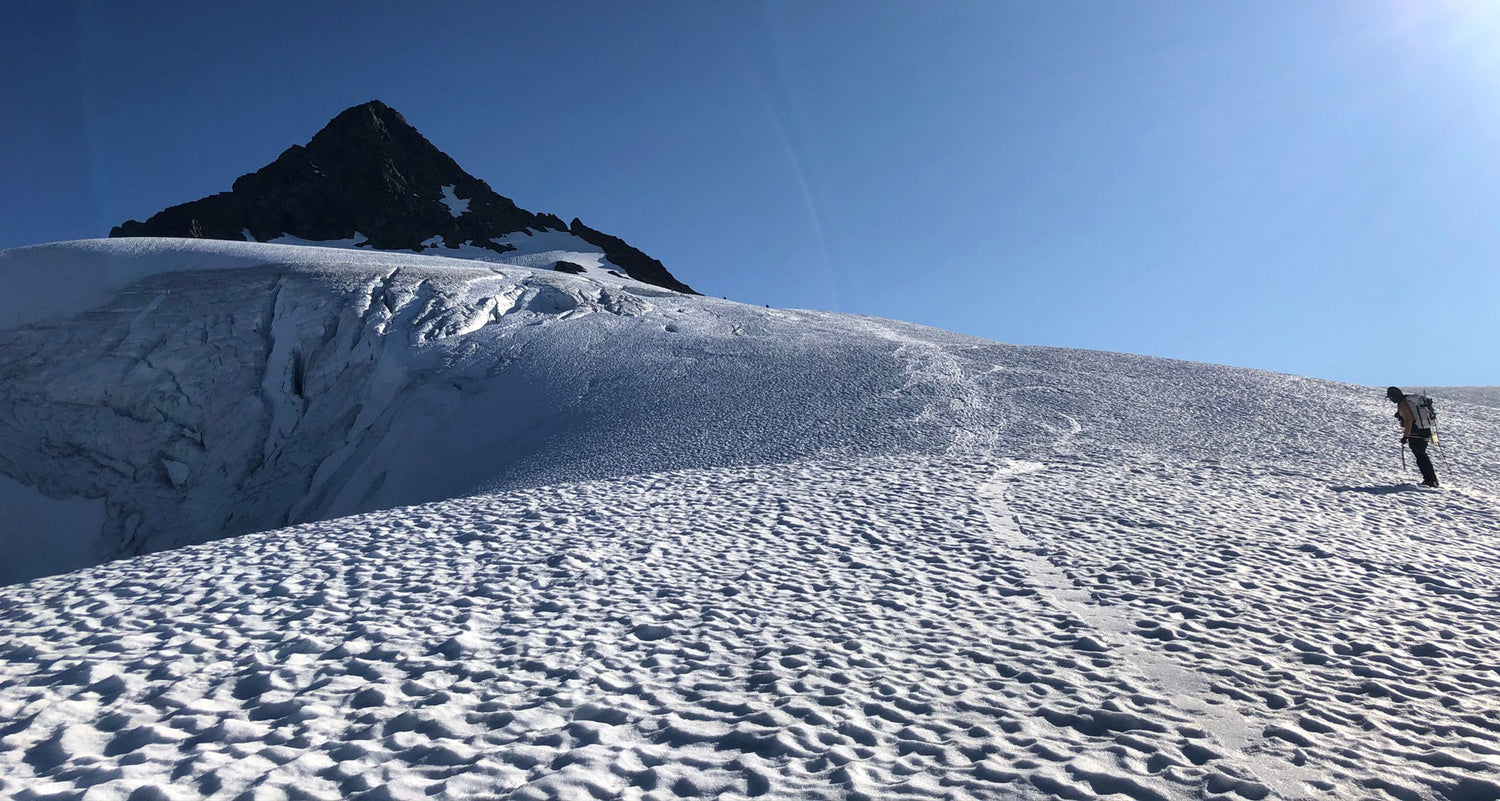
[1414, 433]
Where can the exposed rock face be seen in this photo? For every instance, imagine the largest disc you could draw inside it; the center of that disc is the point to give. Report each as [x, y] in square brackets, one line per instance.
[372, 180]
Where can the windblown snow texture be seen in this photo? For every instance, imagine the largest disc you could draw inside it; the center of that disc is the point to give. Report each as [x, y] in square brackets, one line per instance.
[368, 179]
[729, 552]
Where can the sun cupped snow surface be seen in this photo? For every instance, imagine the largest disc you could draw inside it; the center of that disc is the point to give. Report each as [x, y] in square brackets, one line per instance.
[982, 572]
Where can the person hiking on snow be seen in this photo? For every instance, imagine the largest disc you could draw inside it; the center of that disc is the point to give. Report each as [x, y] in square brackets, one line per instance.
[1412, 435]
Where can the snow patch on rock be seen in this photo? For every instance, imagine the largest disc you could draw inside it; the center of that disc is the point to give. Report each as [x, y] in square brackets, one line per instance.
[456, 206]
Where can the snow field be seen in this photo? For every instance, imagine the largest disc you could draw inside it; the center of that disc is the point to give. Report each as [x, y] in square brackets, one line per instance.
[231, 387]
[598, 637]
[1350, 629]
[884, 627]
[720, 551]
[61, 279]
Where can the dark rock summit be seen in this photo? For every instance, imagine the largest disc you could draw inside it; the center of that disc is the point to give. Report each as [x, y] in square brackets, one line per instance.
[371, 178]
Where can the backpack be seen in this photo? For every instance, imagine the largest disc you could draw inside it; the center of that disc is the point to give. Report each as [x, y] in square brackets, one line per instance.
[1422, 412]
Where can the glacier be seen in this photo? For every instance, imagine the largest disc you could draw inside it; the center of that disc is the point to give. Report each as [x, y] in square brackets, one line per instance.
[408, 527]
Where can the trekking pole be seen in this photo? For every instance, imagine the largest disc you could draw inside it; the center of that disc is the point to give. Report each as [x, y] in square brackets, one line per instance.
[1402, 447]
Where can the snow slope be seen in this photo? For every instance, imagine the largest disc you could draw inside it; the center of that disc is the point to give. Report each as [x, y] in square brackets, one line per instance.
[293, 384]
[1484, 396]
[197, 389]
[539, 249]
[729, 551]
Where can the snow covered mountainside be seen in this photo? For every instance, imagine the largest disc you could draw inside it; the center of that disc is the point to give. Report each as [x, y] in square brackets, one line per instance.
[232, 387]
[669, 546]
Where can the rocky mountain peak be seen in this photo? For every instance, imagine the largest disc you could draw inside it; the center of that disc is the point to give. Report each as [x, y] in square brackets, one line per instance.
[369, 179]
[373, 118]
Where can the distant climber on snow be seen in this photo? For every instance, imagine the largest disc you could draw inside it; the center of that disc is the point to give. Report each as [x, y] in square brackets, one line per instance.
[1417, 421]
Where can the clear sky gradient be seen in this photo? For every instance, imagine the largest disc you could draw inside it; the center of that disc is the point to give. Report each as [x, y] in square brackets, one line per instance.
[1307, 187]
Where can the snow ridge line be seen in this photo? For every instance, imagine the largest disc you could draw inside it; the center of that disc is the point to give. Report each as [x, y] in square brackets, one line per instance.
[1182, 686]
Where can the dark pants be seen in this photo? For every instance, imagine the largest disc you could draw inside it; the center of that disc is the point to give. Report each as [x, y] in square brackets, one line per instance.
[1418, 442]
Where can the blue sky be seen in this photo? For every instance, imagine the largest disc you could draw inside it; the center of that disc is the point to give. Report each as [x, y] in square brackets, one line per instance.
[1302, 187]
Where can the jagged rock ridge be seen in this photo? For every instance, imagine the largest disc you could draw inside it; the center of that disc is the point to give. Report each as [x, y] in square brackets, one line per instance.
[369, 179]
